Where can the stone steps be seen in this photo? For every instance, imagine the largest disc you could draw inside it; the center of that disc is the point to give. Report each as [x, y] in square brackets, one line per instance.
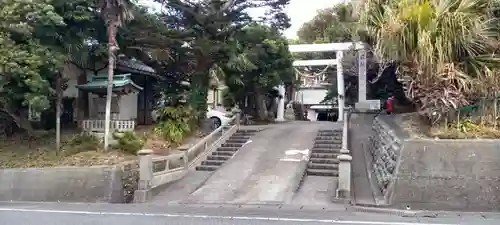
[329, 138]
[326, 148]
[323, 173]
[323, 155]
[328, 142]
[323, 166]
[227, 150]
[324, 160]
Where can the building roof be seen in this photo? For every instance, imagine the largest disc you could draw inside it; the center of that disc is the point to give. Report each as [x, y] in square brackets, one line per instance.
[121, 83]
[134, 66]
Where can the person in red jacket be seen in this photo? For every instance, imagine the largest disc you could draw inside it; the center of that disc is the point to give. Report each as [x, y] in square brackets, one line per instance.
[389, 105]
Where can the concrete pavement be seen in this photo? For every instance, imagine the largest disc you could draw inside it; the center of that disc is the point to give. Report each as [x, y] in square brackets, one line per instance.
[268, 169]
[317, 191]
[256, 187]
[361, 131]
[97, 214]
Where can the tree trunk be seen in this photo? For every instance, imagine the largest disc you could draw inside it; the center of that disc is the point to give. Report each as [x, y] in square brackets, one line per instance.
[199, 87]
[59, 96]
[20, 118]
[260, 105]
[289, 93]
[273, 109]
[495, 102]
[112, 48]
[82, 101]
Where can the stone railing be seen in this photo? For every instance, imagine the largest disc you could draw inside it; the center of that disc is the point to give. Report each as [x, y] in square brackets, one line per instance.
[344, 179]
[157, 171]
[385, 146]
[116, 125]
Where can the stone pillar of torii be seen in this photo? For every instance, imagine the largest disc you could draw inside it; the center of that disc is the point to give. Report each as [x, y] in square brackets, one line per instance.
[339, 48]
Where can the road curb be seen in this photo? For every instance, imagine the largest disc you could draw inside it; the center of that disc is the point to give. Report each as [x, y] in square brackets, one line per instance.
[395, 212]
[418, 213]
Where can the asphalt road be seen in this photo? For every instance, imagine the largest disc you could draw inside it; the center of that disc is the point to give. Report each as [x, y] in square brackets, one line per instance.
[105, 214]
[44, 217]
[33, 218]
[273, 211]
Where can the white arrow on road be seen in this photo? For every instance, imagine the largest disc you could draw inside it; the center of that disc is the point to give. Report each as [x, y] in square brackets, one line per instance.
[295, 155]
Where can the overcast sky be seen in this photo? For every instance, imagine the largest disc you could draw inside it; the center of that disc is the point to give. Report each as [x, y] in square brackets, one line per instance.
[300, 11]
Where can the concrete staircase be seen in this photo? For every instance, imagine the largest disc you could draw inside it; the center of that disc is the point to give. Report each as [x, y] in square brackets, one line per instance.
[226, 151]
[323, 161]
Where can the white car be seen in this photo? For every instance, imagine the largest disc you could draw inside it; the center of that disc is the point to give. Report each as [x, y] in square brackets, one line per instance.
[218, 117]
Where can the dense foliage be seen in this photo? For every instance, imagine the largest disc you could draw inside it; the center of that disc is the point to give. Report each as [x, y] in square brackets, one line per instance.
[27, 64]
[445, 50]
[439, 55]
[261, 63]
[186, 41]
[175, 123]
[338, 23]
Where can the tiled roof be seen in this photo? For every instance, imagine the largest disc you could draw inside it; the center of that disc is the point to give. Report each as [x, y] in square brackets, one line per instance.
[135, 66]
[101, 82]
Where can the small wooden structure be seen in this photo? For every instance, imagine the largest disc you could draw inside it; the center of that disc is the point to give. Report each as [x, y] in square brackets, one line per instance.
[123, 104]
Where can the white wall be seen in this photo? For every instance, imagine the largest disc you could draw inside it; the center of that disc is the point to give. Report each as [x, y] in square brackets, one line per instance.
[71, 72]
[210, 97]
[218, 94]
[123, 107]
[128, 107]
[311, 96]
[97, 107]
[312, 115]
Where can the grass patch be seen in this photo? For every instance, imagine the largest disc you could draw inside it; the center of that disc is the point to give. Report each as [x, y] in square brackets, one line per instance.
[463, 129]
[39, 150]
[452, 132]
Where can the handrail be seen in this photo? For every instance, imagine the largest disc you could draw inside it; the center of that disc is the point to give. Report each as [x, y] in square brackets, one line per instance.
[345, 132]
[344, 179]
[156, 171]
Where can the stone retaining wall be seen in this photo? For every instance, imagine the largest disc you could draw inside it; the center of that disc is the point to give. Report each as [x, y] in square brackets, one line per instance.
[461, 175]
[111, 184]
[385, 148]
[449, 175]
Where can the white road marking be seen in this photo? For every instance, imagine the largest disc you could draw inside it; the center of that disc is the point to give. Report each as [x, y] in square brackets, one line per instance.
[290, 153]
[295, 152]
[292, 160]
[327, 221]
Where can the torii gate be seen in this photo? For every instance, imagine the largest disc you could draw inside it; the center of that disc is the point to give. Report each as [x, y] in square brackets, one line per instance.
[339, 48]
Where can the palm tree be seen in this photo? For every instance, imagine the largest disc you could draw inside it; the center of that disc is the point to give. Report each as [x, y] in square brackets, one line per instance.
[443, 48]
[115, 13]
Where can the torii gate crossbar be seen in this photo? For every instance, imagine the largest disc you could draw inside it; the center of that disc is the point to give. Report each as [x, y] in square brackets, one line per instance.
[339, 48]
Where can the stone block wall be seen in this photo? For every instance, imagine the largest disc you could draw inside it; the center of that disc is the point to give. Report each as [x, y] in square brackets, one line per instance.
[385, 148]
[109, 184]
[458, 175]
[429, 174]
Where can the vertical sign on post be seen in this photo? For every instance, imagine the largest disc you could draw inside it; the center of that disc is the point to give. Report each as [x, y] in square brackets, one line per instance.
[361, 75]
[280, 115]
[340, 85]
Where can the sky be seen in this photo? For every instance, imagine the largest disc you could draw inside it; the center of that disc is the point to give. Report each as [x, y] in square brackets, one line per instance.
[299, 11]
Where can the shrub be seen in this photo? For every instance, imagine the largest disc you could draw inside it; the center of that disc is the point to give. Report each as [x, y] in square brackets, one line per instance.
[175, 123]
[299, 111]
[228, 99]
[83, 142]
[128, 142]
[464, 129]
